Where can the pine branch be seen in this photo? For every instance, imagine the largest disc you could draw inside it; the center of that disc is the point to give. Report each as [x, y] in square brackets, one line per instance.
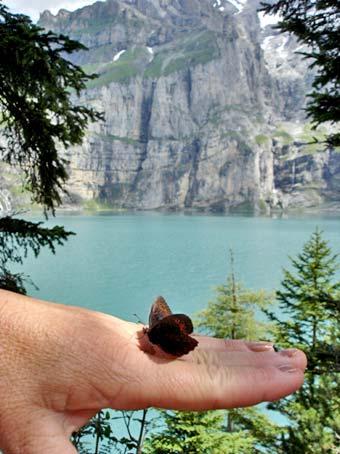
[37, 102]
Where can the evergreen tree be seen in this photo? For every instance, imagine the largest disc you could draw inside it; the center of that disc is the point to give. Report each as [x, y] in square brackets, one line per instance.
[38, 87]
[309, 301]
[244, 431]
[17, 238]
[316, 24]
[237, 431]
[232, 314]
[310, 320]
[193, 433]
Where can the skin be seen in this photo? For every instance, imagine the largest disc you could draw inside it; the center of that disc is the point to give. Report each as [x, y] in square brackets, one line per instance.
[60, 365]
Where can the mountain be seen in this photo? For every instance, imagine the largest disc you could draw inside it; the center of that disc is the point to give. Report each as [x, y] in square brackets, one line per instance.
[203, 107]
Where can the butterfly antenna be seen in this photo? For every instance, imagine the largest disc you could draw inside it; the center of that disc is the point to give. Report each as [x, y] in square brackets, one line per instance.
[139, 320]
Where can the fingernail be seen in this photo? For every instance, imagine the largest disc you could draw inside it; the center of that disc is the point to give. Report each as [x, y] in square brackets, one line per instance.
[290, 352]
[287, 368]
[260, 346]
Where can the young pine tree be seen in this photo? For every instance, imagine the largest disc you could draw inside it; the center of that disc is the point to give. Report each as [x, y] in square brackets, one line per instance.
[309, 302]
[232, 314]
[189, 433]
[238, 431]
[309, 319]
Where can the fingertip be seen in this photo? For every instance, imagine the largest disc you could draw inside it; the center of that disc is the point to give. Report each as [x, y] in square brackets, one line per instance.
[253, 385]
[303, 359]
[289, 381]
[297, 357]
[280, 382]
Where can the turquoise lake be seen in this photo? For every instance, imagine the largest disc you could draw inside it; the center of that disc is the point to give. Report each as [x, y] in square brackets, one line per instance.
[119, 263]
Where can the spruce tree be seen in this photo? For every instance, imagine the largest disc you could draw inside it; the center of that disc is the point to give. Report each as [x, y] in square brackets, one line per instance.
[193, 433]
[309, 319]
[316, 24]
[39, 116]
[309, 301]
[232, 315]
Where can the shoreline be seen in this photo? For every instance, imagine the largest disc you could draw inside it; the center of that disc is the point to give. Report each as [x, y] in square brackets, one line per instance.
[67, 210]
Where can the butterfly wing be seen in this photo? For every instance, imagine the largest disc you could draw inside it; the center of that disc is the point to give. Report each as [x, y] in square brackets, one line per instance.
[159, 310]
[171, 334]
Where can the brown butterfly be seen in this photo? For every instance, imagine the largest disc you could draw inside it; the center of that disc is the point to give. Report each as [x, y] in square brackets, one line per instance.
[170, 331]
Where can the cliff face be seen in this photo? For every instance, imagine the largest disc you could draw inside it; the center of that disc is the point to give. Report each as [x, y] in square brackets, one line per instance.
[202, 107]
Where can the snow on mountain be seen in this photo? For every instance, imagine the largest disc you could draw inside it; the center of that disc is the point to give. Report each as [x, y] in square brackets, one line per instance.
[118, 55]
[266, 19]
[238, 4]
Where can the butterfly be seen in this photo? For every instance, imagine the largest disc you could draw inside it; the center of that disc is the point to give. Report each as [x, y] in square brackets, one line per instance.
[170, 331]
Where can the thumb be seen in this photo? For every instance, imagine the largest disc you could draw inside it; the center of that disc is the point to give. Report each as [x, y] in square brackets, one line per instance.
[38, 432]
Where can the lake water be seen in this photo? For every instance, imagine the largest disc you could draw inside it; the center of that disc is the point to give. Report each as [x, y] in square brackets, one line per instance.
[119, 263]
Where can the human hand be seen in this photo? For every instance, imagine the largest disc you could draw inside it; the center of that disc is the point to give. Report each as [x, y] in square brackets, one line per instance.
[60, 365]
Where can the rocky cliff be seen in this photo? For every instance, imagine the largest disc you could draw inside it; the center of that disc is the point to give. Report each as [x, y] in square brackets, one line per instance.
[203, 109]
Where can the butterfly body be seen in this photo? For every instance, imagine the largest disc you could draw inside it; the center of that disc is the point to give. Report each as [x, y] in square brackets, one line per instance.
[171, 332]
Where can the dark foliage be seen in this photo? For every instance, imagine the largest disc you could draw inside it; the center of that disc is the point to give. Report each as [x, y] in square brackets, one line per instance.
[308, 321]
[305, 299]
[17, 238]
[37, 112]
[316, 23]
[39, 116]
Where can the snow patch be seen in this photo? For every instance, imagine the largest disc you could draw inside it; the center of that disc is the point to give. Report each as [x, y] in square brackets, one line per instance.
[5, 203]
[266, 44]
[221, 4]
[239, 4]
[281, 49]
[118, 55]
[266, 19]
[275, 46]
[150, 50]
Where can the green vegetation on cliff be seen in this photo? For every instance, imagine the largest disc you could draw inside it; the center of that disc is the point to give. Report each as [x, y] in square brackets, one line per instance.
[128, 65]
[195, 48]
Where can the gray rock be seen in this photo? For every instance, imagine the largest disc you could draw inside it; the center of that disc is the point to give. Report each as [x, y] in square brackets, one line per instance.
[210, 118]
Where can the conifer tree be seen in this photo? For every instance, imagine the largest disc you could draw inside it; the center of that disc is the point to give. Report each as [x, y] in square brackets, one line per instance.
[309, 319]
[309, 300]
[232, 314]
[39, 115]
[316, 24]
[237, 431]
[189, 433]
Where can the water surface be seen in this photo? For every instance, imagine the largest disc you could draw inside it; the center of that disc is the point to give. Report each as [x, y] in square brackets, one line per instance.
[119, 263]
